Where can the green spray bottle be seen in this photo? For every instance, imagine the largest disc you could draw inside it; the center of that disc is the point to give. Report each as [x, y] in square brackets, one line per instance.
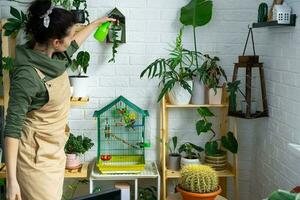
[102, 31]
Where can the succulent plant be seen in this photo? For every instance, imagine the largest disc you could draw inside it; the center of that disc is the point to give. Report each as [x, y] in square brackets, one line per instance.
[198, 179]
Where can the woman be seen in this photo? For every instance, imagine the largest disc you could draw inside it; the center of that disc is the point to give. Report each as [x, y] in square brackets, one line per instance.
[39, 103]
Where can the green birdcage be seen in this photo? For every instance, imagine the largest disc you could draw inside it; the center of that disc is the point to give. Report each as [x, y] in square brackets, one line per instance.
[121, 137]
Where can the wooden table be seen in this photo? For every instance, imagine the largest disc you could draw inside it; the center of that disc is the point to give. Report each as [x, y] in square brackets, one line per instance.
[76, 173]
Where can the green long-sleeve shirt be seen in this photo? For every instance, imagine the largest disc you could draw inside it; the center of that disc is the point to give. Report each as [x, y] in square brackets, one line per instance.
[27, 90]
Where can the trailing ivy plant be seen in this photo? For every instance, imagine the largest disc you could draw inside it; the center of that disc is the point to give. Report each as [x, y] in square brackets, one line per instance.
[178, 68]
[213, 147]
[16, 23]
[115, 42]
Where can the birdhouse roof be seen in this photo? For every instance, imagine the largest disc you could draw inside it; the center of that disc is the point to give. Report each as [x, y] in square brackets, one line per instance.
[116, 11]
[126, 102]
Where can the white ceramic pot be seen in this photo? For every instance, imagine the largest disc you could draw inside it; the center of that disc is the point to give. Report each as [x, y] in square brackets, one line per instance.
[253, 107]
[198, 96]
[80, 85]
[215, 98]
[73, 161]
[184, 161]
[180, 96]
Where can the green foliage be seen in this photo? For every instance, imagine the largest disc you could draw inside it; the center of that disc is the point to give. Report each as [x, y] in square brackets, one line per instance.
[172, 146]
[7, 63]
[210, 73]
[191, 150]
[78, 145]
[72, 188]
[81, 62]
[232, 89]
[115, 41]
[196, 13]
[178, 68]
[148, 193]
[15, 24]
[212, 147]
[66, 4]
[198, 179]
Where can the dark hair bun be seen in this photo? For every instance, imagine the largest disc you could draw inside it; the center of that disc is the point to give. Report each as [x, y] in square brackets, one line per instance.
[60, 22]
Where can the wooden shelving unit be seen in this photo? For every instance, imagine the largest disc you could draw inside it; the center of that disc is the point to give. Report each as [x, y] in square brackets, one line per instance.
[229, 172]
[76, 173]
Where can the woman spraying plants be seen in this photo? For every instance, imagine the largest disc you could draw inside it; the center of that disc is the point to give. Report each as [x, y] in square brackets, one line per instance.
[39, 103]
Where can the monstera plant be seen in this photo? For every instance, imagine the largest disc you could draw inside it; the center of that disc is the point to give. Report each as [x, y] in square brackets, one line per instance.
[197, 13]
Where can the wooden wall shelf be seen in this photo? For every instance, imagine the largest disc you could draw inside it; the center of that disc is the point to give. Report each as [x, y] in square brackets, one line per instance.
[78, 173]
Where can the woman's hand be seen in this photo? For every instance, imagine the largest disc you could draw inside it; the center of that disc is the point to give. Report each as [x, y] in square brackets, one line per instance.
[102, 20]
[13, 190]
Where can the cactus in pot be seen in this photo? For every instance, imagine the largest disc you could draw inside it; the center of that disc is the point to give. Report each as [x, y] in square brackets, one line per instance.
[198, 182]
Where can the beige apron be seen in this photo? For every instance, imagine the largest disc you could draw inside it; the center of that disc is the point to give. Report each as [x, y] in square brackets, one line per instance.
[41, 156]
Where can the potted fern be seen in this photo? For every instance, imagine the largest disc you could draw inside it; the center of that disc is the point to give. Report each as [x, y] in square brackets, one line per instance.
[79, 82]
[74, 147]
[198, 182]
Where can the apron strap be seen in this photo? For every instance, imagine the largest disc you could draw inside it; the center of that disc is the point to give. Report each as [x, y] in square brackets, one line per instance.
[41, 75]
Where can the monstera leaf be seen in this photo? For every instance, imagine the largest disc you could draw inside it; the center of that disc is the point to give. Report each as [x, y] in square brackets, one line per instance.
[196, 13]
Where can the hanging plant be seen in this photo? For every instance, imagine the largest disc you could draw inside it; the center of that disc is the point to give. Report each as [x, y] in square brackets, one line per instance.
[116, 42]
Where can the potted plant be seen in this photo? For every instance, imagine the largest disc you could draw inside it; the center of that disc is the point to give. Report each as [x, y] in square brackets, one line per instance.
[191, 154]
[197, 13]
[74, 146]
[211, 73]
[232, 89]
[174, 155]
[175, 73]
[81, 15]
[214, 155]
[198, 182]
[80, 82]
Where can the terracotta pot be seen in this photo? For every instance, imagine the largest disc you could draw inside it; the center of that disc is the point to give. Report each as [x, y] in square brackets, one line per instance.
[198, 196]
[73, 161]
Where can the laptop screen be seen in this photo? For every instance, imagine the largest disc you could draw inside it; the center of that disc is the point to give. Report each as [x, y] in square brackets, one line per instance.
[114, 194]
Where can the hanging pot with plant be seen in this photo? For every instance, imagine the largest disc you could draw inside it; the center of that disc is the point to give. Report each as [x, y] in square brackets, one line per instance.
[79, 82]
[81, 15]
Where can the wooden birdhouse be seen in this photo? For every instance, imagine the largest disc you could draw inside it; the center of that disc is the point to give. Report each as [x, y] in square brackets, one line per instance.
[282, 13]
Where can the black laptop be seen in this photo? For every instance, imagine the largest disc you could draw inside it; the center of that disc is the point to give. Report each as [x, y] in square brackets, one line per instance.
[114, 194]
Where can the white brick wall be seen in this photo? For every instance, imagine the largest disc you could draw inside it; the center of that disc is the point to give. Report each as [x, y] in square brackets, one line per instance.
[151, 26]
[275, 167]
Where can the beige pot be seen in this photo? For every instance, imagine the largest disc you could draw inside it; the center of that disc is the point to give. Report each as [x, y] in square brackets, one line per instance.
[215, 98]
[218, 163]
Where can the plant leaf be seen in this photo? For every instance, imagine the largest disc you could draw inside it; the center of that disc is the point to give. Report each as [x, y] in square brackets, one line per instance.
[196, 13]
[211, 148]
[14, 12]
[229, 142]
[205, 112]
